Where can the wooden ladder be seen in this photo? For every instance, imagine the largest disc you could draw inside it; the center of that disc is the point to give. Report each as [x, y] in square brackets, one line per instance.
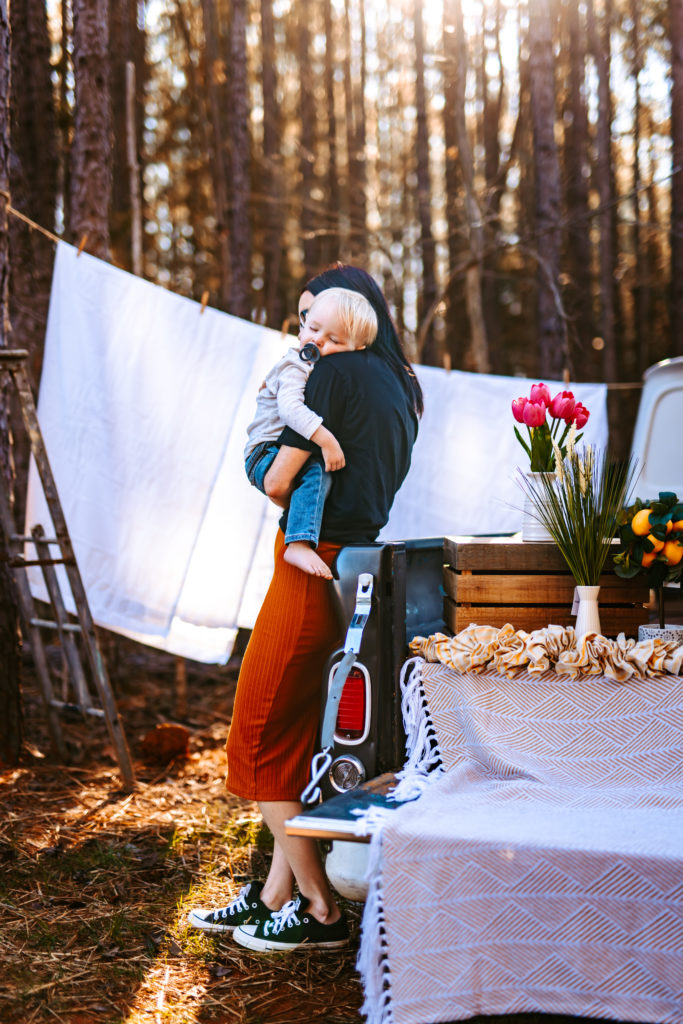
[13, 362]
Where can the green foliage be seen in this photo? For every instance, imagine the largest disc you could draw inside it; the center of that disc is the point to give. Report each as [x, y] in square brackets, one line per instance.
[579, 509]
[636, 549]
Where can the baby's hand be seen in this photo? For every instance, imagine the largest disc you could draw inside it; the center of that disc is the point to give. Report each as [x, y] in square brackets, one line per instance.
[333, 456]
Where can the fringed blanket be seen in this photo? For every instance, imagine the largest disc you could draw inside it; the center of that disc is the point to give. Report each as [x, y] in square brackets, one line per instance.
[541, 869]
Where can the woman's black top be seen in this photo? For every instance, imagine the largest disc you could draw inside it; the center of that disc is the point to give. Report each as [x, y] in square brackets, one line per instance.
[363, 403]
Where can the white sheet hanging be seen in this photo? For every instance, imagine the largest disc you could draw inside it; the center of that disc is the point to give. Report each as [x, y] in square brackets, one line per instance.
[463, 476]
[144, 405]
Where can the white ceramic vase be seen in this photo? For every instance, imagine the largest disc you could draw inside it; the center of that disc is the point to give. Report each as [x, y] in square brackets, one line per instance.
[532, 530]
[588, 614]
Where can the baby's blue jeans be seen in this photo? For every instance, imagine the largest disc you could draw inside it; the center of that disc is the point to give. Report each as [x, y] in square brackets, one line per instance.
[307, 502]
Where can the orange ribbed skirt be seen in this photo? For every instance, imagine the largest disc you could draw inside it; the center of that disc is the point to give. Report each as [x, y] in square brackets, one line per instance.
[277, 704]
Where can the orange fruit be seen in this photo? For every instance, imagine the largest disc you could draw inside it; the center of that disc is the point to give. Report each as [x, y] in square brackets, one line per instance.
[647, 559]
[677, 525]
[673, 552]
[658, 544]
[669, 526]
[640, 524]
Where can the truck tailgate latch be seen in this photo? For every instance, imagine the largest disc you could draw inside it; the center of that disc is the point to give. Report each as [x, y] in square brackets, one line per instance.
[354, 635]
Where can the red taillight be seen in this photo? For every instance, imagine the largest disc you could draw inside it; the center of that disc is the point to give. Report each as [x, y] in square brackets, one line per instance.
[351, 713]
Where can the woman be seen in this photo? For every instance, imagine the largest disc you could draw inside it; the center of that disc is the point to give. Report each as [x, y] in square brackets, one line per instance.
[371, 401]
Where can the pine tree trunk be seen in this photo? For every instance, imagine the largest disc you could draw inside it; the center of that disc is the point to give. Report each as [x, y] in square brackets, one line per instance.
[273, 179]
[240, 233]
[216, 147]
[65, 114]
[493, 105]
[429, 352]
[358, 194]
[600, 47]
[477, 357]
[641, 301]
[10, 692]
[455, 342]
[330, 247]
[34, 188]
[125, 45]
[349, 206]
[550, 327]
[576, 155]
[307, 148]
[676, 36]
[91, 152]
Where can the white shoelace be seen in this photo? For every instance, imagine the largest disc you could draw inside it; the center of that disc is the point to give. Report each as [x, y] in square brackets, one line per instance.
[238, 904]
[282, 919]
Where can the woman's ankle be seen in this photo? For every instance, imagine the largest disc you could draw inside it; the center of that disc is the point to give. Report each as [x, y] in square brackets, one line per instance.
[275, 897]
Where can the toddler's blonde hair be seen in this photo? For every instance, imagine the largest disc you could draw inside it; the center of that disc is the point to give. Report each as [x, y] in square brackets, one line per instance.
[355, 312]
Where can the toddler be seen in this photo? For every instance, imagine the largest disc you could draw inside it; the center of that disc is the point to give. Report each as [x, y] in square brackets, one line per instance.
[339, 320]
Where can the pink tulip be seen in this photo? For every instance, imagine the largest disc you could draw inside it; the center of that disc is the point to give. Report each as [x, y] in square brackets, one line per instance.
[540, 394]
[534, 414]
[581, 415]
[562, 406]
[518, 409]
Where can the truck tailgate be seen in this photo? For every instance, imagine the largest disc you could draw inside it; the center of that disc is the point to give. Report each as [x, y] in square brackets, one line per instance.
[334, 818]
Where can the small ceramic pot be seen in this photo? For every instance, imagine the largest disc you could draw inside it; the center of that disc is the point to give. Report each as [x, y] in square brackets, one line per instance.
[670, 633]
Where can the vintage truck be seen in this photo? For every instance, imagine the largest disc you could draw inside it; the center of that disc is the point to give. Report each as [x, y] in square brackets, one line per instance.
[439, 585]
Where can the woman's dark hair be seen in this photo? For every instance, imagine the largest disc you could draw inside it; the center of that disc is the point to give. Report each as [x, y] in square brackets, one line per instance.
[387, 343]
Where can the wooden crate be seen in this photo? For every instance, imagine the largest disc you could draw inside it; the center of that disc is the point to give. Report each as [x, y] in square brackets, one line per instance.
[491, 582]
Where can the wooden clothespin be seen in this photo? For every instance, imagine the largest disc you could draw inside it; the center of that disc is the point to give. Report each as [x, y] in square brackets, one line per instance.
[285, 325]
[81, 244]
[205, 299]
[447, 362]
[565, 375]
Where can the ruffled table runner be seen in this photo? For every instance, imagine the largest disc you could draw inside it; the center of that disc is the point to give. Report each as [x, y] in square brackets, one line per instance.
[542, 868]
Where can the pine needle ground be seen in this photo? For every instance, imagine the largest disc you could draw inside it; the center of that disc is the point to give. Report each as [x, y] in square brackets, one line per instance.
[95, 884]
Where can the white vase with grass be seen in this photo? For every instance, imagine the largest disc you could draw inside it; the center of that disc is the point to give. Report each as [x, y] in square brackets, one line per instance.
[579, 510]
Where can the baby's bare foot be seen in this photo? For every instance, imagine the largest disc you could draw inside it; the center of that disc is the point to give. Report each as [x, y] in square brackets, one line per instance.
[299, 554]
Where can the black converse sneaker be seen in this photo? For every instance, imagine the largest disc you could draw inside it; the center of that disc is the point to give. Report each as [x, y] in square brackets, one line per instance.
[291, 928]
[246, 908]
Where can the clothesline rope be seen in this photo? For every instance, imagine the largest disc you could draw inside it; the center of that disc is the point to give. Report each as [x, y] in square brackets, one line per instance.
[614, 386]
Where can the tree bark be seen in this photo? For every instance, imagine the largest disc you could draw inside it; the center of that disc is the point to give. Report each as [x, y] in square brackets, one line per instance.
[273, 179]
[493, 106]
[359, 208]
[477, 358]
[240, 232]
[126, 45]
[641, 291]
[427, 294]
[217, 146]
[580, 306]
[553, 353]
[676, 38]
[307, 147]
[600, 47]
[91, 152]
[10, 691]
[34, 187]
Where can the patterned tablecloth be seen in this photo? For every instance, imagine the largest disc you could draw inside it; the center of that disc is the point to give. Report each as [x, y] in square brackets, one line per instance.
[543, 869]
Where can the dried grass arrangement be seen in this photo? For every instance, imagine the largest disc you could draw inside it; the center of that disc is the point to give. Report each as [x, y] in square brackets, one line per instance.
[579, 508]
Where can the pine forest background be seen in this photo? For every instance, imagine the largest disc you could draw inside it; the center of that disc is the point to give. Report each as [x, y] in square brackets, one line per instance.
[509, 171]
